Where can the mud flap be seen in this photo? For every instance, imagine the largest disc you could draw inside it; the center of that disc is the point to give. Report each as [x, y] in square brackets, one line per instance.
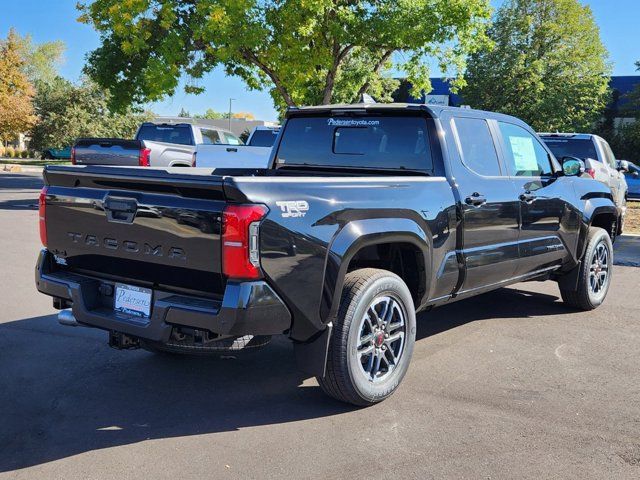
[569, 281]
[311, 356]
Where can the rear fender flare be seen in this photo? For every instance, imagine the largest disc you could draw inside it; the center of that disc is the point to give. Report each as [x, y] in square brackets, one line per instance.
[352, 238]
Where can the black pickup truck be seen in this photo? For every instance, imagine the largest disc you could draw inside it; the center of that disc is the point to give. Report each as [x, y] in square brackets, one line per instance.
[368, 214]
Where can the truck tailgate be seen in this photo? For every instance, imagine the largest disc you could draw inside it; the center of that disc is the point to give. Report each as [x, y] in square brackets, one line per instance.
[107, 151]
[141, 226]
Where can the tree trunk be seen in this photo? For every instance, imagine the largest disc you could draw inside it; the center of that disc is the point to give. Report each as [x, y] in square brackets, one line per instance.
[376, 70]
[338, 57]
[252, 57]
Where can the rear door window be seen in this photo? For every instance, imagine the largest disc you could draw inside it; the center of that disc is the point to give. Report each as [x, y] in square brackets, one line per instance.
[384, 142]
[476, 146]
[178, 134]
[525, 155]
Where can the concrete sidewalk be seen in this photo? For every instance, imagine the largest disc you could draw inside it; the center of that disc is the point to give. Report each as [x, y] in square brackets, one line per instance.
[627, 250]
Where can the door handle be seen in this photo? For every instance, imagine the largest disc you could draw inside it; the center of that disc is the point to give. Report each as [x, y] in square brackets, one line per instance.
[527, 197]
[475, 199]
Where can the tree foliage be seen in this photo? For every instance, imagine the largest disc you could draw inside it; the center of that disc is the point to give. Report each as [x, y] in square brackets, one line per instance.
[16, 91]
[548, 66]
[69, 111]
[301, 51]
[41, 60]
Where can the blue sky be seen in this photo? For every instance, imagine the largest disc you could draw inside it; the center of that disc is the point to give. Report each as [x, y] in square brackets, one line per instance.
[48, 20]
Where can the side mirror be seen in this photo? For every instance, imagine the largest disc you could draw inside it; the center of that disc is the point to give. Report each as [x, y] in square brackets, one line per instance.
[572, 166]
[634, 174]
[623, 166]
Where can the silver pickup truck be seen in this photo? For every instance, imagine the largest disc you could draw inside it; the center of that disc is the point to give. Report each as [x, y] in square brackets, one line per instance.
[255, 154]
[155, 145]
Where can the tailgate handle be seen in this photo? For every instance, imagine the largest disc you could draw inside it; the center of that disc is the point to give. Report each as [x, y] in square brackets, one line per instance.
[121, 210]
[232, 149]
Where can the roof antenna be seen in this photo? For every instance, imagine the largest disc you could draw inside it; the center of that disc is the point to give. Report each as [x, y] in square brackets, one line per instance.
[366, 98]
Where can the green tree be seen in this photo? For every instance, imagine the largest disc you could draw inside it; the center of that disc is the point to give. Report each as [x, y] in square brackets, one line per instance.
[16, 91]
[212, 115]
[301, 51]
[69, 111]
[548, 66]
[41, 60]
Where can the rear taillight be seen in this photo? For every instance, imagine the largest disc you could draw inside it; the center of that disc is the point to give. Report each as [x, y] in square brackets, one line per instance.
[193, 159]
[240, 245]
[42, 214]
[73, 155]
[591, 172]
[144, 157]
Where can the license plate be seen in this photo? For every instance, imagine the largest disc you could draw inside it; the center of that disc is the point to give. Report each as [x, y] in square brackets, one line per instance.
[132, 300]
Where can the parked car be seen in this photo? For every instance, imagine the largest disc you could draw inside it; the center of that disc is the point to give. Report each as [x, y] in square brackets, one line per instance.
[600, 162]
[155, 145]
[56, 154]
[633, 181]
[255, 154]
[366, 215]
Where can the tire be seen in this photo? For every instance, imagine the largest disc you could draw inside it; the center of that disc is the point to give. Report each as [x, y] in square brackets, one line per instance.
[351, 375]
[592, 268]
[226, 345]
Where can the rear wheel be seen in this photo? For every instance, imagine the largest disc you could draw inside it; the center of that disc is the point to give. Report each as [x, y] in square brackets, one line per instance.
[594, 276]
[372, 340]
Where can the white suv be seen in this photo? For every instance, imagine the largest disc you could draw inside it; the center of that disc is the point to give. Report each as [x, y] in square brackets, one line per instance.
[599, 160]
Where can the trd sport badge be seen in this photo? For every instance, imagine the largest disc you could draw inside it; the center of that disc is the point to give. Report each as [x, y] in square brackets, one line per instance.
[293, 208]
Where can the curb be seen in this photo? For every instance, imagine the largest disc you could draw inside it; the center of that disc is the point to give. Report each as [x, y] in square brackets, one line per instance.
[13, 168]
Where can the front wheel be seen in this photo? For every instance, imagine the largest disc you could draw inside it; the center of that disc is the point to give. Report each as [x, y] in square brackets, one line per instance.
[372, 340]
[594, 276]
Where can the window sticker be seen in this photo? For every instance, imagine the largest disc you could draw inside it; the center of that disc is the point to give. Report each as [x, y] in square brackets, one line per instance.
[345, 122]
[524, 154]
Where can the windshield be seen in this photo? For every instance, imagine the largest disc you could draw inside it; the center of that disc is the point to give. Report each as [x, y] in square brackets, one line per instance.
[571, 147]
[179, 134]
[263, 138]
[387, 142]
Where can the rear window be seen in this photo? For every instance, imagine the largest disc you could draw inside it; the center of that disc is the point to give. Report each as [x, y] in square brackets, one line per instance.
[571, 147]
[179, 134]
[358, 142]
[263, 138]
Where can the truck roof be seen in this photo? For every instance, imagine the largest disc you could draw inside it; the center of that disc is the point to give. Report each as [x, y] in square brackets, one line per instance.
[434, 110]
[185, 121]
[577, 136]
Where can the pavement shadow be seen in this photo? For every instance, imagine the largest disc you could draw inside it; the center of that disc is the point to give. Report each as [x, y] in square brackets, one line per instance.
[502, 303]
[17, 181]
[20, 204]
[64, 392]
[26, 189]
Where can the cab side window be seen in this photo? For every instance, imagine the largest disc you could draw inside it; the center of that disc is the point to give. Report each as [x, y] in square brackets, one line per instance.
[524, 155]
[210, 137]
[476, 146]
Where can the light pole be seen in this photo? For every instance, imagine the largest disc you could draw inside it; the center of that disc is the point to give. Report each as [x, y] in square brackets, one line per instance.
[230, 100]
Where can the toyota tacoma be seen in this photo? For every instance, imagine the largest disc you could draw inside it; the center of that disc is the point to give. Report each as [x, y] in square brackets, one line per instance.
[367, 214]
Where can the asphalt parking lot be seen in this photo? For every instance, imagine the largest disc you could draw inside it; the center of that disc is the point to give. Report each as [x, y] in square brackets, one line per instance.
[511, 384]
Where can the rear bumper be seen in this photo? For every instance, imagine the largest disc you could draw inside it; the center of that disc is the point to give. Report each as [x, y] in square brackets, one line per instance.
[247, 308]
